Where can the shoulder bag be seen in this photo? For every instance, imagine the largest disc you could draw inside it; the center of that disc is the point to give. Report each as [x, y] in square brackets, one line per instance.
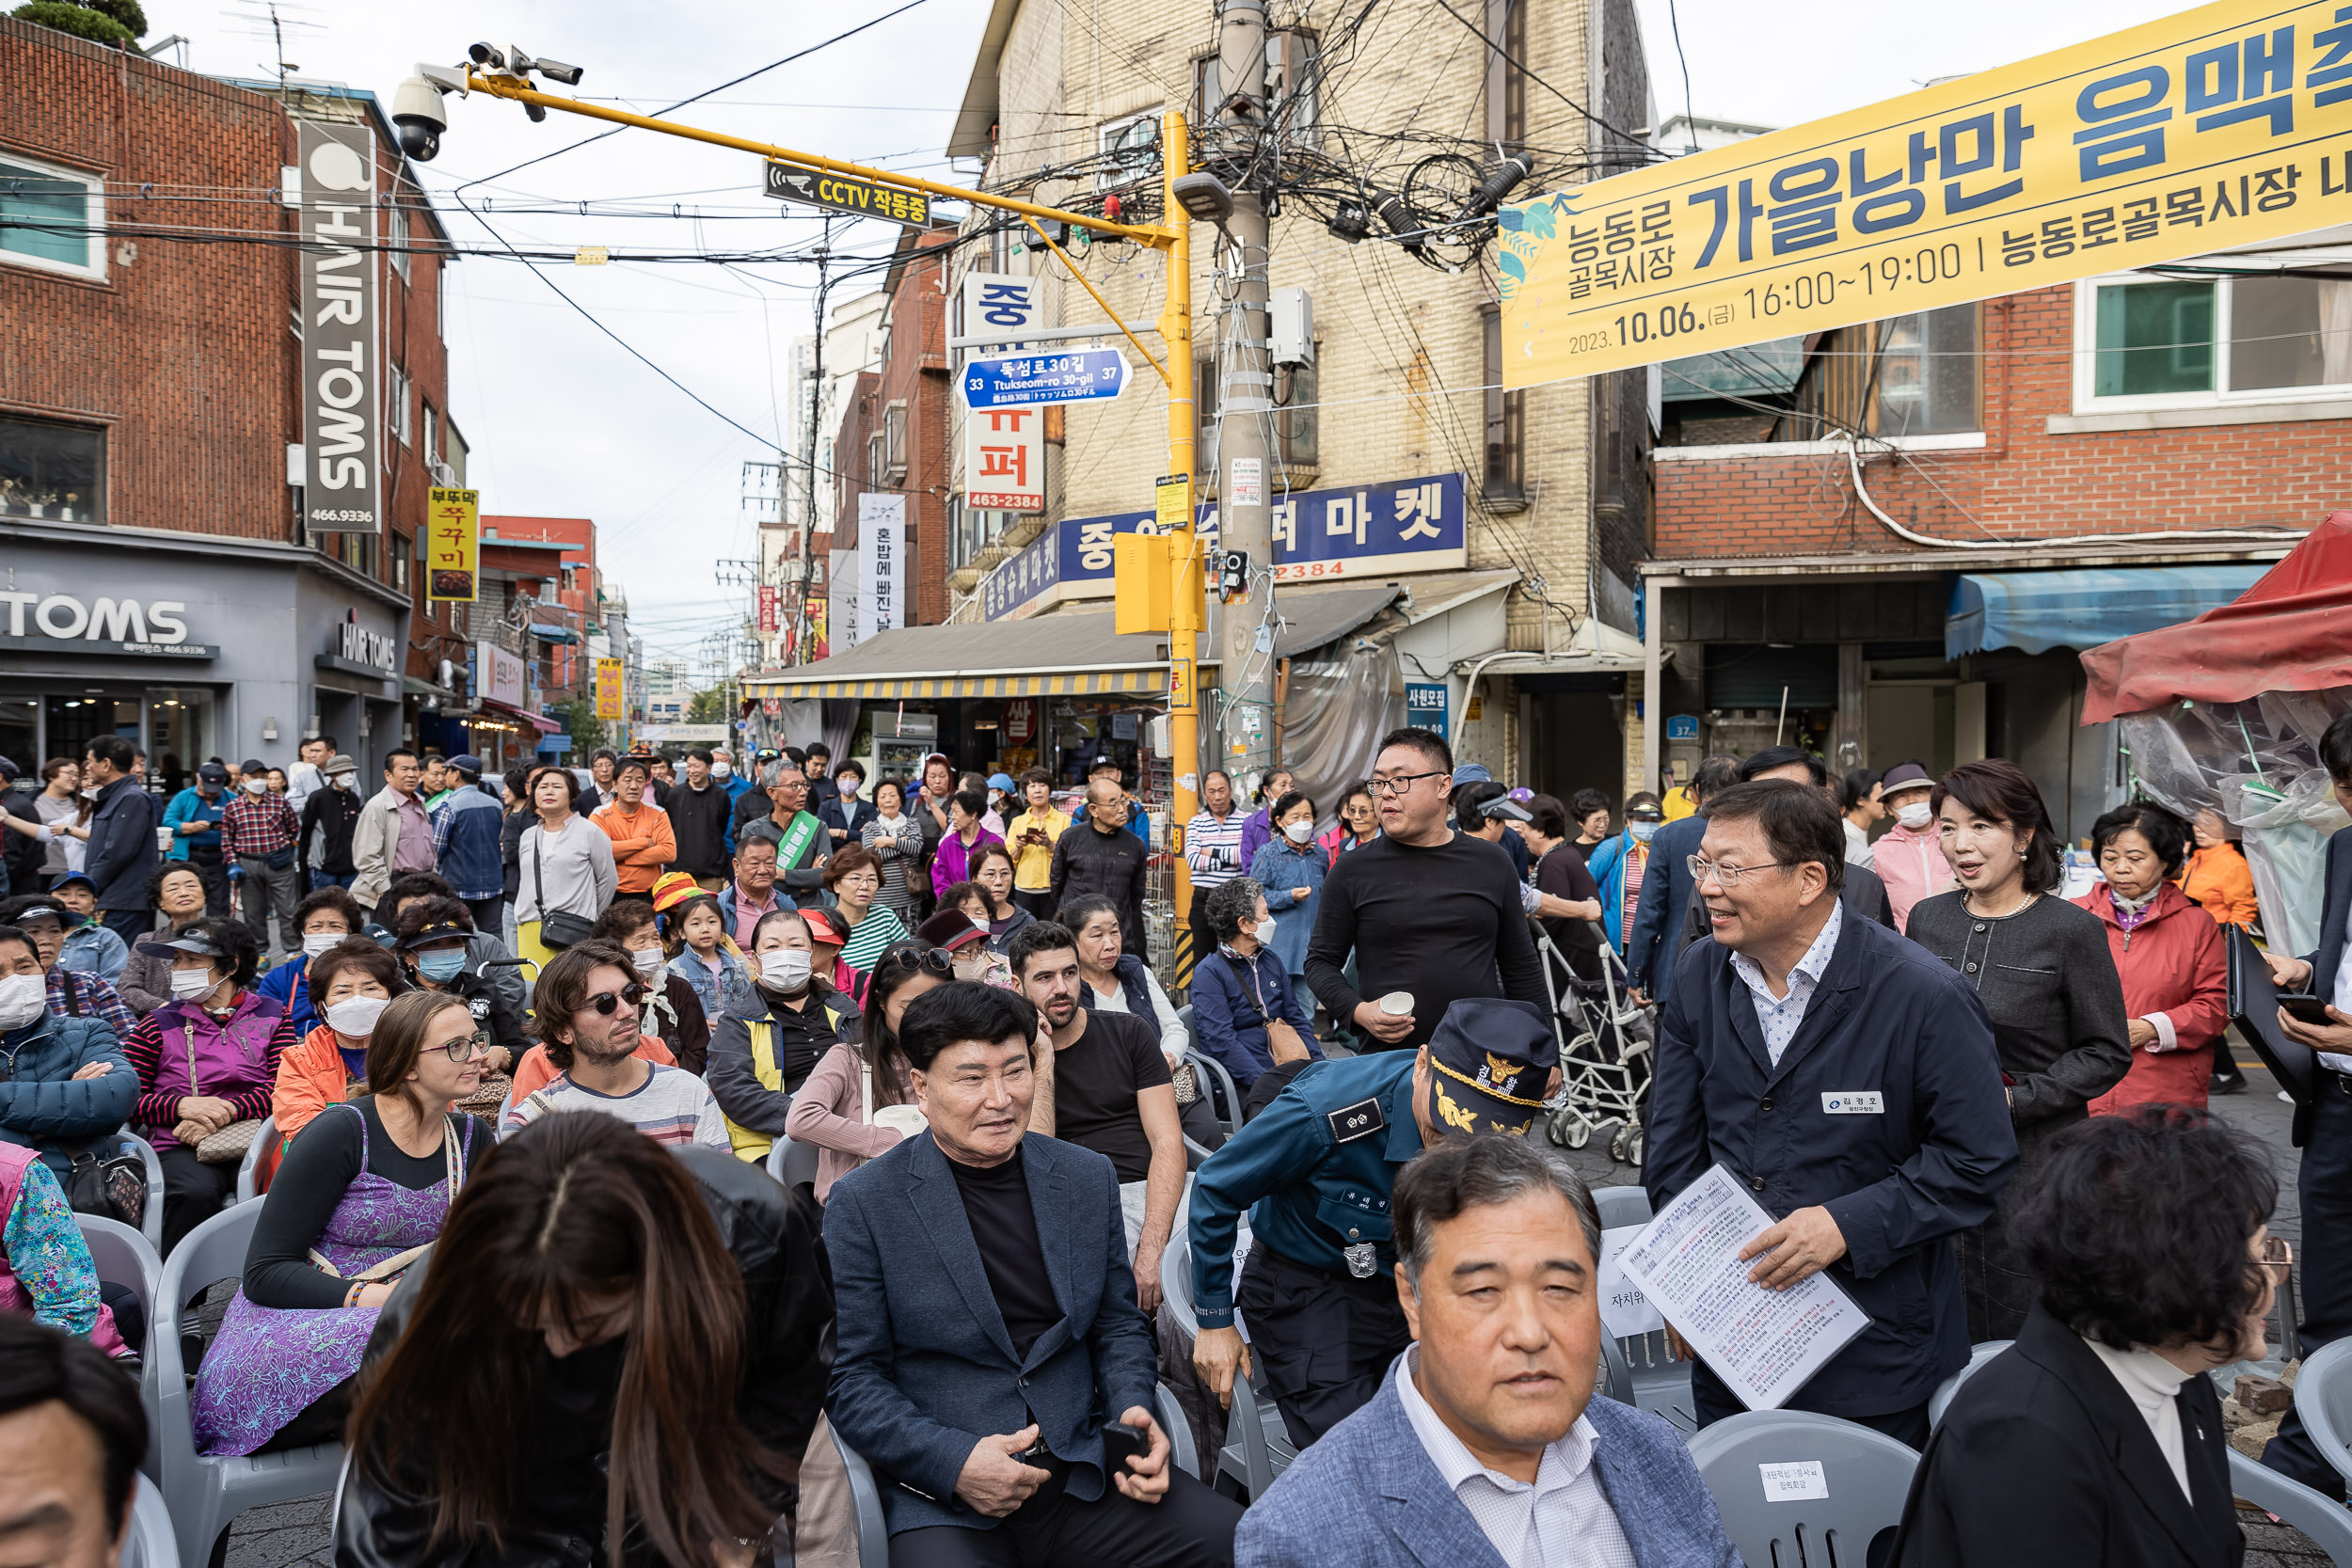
[558, 929]
[393, 1267]
[228, 1146]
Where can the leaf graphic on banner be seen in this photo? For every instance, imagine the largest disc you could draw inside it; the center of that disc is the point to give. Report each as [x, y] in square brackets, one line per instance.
[1512, 266]
[1537, 217]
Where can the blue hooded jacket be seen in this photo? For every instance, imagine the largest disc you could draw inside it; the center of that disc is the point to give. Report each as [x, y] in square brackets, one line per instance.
[41, 1106]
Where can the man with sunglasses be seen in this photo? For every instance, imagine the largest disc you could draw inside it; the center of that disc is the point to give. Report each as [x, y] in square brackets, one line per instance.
[1429, 912]
[587, 1000]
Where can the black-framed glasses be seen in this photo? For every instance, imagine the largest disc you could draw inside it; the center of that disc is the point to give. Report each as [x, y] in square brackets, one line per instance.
[933, 959]
[1728, 877]
[609, 1002]
[1402, 781]
[467, 1048]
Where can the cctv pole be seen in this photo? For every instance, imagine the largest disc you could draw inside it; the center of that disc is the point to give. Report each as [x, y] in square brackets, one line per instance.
[1244, 408]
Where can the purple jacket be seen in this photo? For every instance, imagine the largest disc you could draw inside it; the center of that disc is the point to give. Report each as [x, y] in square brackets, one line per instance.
[953, 863]
[236, 1060]
[1257, 831]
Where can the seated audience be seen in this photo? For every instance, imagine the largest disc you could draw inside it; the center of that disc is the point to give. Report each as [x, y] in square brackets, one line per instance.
[753, 891]
[46, 1273]
[2168, 952]
[964, 940]
[487, 953]
[1116, 981]
[642, 1336]
[434, 936]
[324, 918]
[775, 1031]
[67, 1082]
[858, 1102]
[206, 1060]
[694, 936]
[91, 947]
[854, 877]
[952, 863]
[824, 945]
[361, 1193]
[987, 1328]
[1244, 1008]
[672, 1013]
[70, 994]
[176, 891]
[353, 981]
[1486, 1426]
[72, 1436]
[587, 1001]
[2097, 1438]
[1106, 1087]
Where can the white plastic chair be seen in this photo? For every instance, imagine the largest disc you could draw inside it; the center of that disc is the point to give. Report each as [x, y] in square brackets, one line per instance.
[1203, 1062]
[205, 1494]
[149, 1543]
[1258, 1445]
[1941, 1399]
[151, 1222]
[873, 1534]
[1857, 1490]
[2322, 1396]
[1641, 1368]
[2322, 1518]
[249, 1169]
[792, 1163]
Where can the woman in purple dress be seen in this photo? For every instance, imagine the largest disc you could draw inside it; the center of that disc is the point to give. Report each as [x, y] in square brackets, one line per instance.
[364, 1188]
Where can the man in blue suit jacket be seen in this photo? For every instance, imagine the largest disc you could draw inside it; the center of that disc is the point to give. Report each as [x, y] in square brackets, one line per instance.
[987, 1328]
[2323, 1130]
[1848, 1077]
[1497, 1243]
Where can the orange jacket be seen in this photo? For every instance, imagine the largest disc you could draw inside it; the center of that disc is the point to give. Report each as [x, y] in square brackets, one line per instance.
[2220, 879]
[310, 1077]
[642, 844]
[535, 1072]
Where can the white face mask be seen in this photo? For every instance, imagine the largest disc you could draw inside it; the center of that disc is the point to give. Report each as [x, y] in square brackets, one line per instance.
[1642, 831]
[192, 985]
[90, 792]
[322, 941]
[341, 781]
[1265, 929]
[648, 960]
[356, 1016]
[849, 785]
[722, 771]
[1914, 817]
[785, 969]
[1298, 832]
[257, 787]
[22, 999]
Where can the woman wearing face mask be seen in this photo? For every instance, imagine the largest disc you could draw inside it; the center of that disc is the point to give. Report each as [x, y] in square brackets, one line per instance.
[2042, 968]
[859, 1103]
[954, 931]
[2168, 953]
[368, 1186]
[671, 1011]
[590, 1370]
[430, 946]
[773, 1034]
[177, 891]
[1291, 867]
[206, 1060]
[845, 815]
[1909, 856]
[353, 982]
[1620, 863]
[323, 852]
[324, 918]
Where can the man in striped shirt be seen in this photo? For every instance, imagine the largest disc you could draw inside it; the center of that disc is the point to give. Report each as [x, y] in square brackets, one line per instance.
[587, 1000]
[1212, 852]
[258, 830]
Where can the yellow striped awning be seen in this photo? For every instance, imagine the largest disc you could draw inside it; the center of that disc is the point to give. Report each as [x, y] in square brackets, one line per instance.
[1078, 684]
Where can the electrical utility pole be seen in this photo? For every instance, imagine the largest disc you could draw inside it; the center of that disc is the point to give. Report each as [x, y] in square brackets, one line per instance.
[815, 394]
[1244, 384]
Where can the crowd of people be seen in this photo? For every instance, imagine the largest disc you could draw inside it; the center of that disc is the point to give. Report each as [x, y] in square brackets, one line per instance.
[556, 1337]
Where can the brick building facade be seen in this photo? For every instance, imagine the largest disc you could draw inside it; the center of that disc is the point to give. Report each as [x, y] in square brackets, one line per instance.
[893, 435]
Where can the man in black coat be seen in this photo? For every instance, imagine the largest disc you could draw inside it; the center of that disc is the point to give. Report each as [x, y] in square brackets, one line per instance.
[699, 809]
[121, 853]
[1849, 1080]
[1104, 856]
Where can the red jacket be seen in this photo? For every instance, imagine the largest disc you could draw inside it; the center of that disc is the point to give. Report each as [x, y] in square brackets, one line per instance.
[2172, 964]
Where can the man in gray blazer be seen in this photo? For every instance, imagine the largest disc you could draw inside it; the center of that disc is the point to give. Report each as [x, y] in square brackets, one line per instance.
[985, 1312]
[1485, 1447]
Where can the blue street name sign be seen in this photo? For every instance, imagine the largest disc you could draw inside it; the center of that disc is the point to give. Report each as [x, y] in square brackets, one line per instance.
[1074, 375]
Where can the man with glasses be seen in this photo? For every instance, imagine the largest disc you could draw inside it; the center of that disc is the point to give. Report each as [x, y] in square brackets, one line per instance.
[586, 1001]
[1432, 915]
[1849, 1079]
[1102, 857]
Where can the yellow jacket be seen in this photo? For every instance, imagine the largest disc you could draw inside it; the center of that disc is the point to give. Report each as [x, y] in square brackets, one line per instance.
[1033, 863]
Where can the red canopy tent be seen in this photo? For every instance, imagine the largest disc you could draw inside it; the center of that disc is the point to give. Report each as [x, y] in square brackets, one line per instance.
[2292, 631]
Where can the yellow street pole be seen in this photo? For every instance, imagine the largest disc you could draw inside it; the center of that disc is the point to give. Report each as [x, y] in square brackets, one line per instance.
[1185, 582]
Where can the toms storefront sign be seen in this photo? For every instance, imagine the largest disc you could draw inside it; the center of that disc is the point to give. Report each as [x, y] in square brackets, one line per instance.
[342, 419]
[60, 622]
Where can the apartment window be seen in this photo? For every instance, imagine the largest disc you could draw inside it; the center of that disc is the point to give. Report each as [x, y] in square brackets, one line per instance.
[53, 470]
[874, 460]
[432, 435]
[1296, 416]
[401, 549]
[895, 441]
[50, 219]
[1927, 373]
[1130, 150]
[2162, 344]
[400, 242]
[1293, 67]
[1506, 416]
[396, 403]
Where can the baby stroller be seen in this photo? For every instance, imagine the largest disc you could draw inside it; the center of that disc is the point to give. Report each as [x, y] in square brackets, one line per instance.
[1605, 1041]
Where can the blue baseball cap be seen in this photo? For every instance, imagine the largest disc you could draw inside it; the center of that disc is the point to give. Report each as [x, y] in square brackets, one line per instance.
[1471, 772]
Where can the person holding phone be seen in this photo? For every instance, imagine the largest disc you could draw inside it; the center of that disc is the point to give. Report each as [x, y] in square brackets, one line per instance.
[2323, 1128]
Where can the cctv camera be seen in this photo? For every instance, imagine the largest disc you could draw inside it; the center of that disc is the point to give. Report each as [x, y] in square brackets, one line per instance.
[417, 111]
[556, 70]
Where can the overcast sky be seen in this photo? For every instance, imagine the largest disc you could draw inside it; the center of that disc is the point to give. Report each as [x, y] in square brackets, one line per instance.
[562, 421]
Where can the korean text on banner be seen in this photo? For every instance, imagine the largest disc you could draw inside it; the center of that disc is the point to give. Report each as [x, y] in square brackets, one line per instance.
[2217, 128]
[453, 550]
[342, 422]
[1004, 459]
[881, 531]
[609, 702]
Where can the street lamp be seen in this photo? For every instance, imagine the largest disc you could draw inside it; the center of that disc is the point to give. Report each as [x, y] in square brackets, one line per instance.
[1203, 196]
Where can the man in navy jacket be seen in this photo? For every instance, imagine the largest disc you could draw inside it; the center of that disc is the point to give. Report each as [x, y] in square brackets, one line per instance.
[1849, 1080]
[987, 1328]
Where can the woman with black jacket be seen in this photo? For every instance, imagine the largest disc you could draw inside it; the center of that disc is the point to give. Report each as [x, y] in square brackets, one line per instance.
[614, 1356]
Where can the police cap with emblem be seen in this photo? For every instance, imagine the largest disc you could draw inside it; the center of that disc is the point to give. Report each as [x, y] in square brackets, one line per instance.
[1490, 1062]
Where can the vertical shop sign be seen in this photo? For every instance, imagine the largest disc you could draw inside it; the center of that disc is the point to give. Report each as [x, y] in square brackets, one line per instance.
[342, 418]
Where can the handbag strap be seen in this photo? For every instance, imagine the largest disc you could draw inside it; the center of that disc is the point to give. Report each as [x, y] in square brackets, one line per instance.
[187, 1037]
[538, 883]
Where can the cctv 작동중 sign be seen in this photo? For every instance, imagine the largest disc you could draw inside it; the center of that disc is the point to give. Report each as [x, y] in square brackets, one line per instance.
[790, 183]
[2220, 127]
[342, 419]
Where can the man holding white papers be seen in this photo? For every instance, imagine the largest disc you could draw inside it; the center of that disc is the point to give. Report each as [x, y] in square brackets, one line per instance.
[1849, 1081]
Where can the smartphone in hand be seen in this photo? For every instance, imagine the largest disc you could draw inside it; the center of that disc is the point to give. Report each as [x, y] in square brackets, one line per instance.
[1121, 1443]
[2306, 1010]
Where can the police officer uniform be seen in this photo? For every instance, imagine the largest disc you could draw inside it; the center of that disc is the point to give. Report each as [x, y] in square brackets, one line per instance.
[1314, 1171]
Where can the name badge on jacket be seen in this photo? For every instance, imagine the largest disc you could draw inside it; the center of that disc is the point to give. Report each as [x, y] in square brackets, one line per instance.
[1854, 1102]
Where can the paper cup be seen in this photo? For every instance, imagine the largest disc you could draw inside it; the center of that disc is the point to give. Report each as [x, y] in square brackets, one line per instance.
[1397, 1004]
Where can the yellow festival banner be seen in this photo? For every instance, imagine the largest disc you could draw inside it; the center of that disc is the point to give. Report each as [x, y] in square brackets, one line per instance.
[2217, 128]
